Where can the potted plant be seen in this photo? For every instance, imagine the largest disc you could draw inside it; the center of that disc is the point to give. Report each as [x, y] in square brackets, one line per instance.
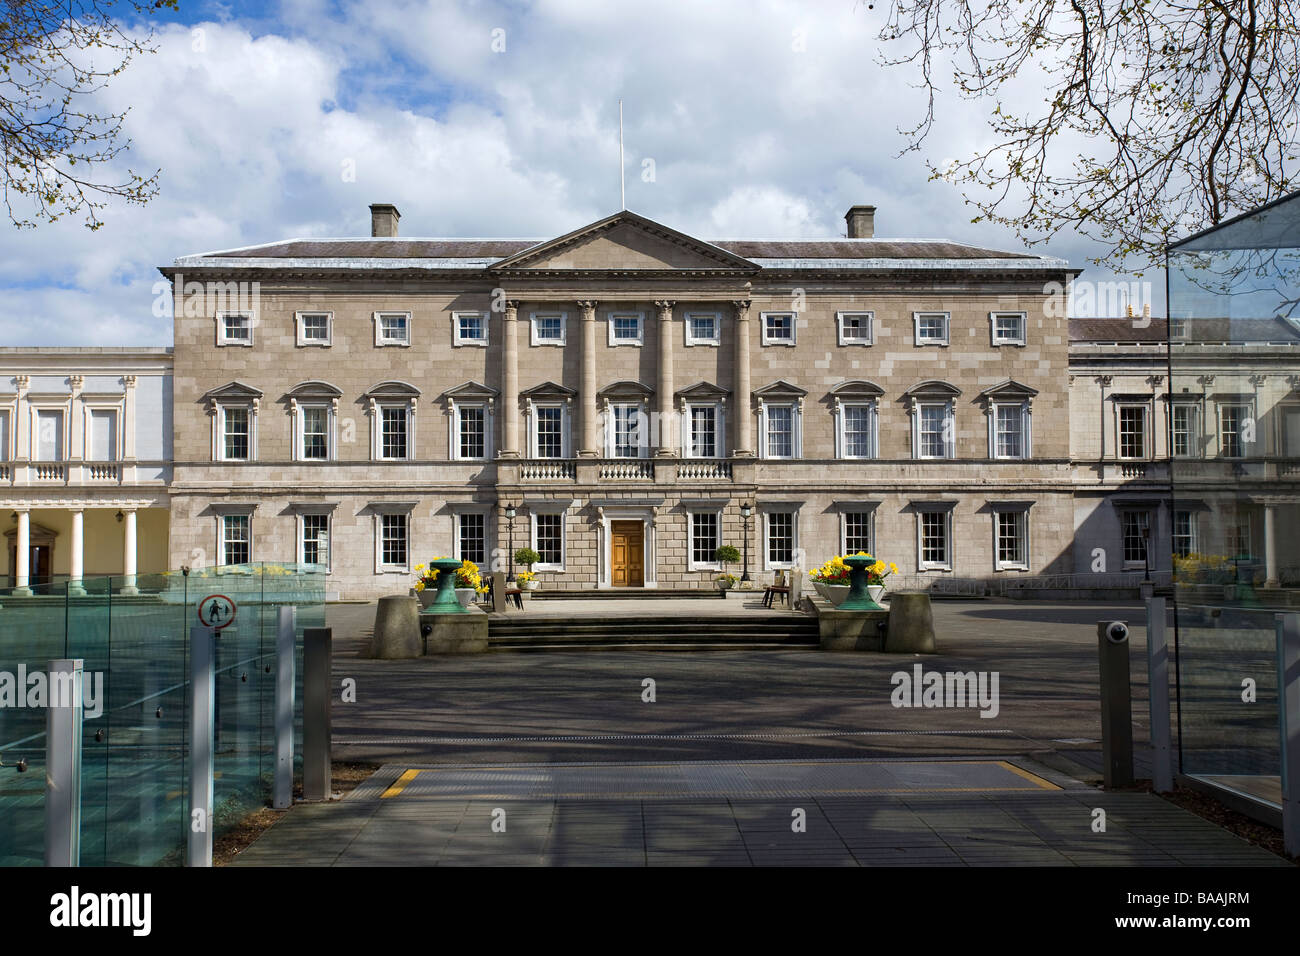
[527, 581]
[469, 583]
[424, 587]
[527, 557]
[876, 575]
[724, 555]
[831, 580]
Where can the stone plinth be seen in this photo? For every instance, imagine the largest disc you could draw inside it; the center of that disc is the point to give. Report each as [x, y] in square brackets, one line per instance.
[456, 633]
[911, 624]
[397, 629]
[848, 630]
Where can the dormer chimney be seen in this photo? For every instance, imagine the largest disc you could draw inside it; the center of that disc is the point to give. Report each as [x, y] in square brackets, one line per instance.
[383, 220]
[862, 222]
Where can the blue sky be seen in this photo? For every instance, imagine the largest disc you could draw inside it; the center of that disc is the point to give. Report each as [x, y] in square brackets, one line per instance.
[743, 118]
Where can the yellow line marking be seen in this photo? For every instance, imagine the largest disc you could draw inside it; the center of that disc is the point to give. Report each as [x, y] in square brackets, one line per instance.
[400, 784]
[1031, 777]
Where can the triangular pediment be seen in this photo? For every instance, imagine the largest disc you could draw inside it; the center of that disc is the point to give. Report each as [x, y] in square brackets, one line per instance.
[701, 391]
[625, 242]
[547, 390]
[1009, 389]
[470, 390]
[233, 391]
[780, 389]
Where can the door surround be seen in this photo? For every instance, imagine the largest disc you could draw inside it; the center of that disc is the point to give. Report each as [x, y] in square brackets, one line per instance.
[608, 515]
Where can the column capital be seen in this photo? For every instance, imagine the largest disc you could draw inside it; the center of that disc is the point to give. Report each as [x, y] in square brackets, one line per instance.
[75, 382]
[512, 308]
[128, 381]
[665, 306]
[588, 307]
[742, 307]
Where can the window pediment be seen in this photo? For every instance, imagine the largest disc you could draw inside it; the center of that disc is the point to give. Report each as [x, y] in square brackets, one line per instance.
[856, 389]
[392, 390]
[304, 391]
[1010, 390]
[233, 392]
[933, 389]
[470, 391]
[625, 390]
[778, 390]
[702, 392]
[547, 390]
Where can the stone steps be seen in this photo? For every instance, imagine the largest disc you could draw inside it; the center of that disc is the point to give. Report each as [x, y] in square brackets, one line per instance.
[624, 594]
[653, 632]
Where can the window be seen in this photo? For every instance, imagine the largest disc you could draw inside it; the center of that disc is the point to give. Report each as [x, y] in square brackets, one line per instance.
[1232, 430]
[392, 328]
[5, 434]
[549, 431]
[780, 539]
[934, 430]
[857, 534]
[471, 429]
[626, 440]
[236, 432]
[49, 435]
[393, 541]
[1132, 431]
[236, 544]
[858, 431]
[626, 328]
[705, 539]
[1010, 431]
[471, 537]
[1184, 533]
[314, 328]
[1177, 328]
[779, 434]
[1135, 525]
[314, 546]
[703, 431]
[469, 328]
[702, 328]
[234, 328]
[548, 540]
[855, 328]
[1008, 328]
[1012, 530]
[1186, 441]
[548, 328]
[1238, 537]
[315, 432]
[931, 328]
[778, 328]
[393, 435]
[934, 544]
[1290, 426]
[101, 444]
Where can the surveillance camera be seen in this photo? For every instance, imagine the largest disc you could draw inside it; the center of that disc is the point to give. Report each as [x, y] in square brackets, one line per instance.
[1117, 632]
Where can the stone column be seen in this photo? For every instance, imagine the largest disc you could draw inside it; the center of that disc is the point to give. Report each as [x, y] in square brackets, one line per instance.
[128, 555]
[591, 444]
[667, 419]
[77, 564]
[744, 444]
[1270, 546]
[510, 379]
[23, 554]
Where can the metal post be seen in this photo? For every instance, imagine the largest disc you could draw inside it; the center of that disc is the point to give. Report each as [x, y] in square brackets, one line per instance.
[745, 575]
[1116, 704]
[282, 791]
[1162, 773]
[317, 663]
[63, 763]
[203, 694]
[1288, 718]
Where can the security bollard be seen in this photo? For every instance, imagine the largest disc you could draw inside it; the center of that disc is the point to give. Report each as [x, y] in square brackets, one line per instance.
[63, 720]
[282, 791]
[203, 694]
[1116, 704]
[1162, 773]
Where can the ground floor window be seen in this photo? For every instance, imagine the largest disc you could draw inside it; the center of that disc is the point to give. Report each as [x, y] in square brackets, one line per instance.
[548, 539]
[857, 532]
[1184, 533]
[471, 536]
[780, 538]
[705, 538]
[1013, 539]
[393, 541]
[1135, 528]
[1238, 537]
[236, 544]
[935, 544]
[315, 545]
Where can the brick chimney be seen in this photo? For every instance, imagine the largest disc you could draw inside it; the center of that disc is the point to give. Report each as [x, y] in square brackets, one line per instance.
[383, 220]
[862, 221]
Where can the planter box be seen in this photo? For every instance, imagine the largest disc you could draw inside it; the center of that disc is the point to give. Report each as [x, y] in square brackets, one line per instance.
[465, 596]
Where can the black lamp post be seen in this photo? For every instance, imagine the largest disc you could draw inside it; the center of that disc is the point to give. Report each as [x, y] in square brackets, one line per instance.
[1146, 551]
[746, 512]
[510, 524]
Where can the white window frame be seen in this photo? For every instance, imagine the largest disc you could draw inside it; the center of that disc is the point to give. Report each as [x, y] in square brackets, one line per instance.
[329, 537]
[871, 328]
[916, 328]
[454, 446]
[1146, 431]
[1193, 532]
[377, 430]
[533, 514]
[873, 430]
[118, 450]
[300, 429]
[692, 339]
[949, 416]
[719, 429]
[844, 529]
[532, 328]
[691, 563]
[611, 430]
[1245, 409]
[383, 342]
[224, 340]
[566, 431]
[768, 563]
[794, 328]
[9, 415]
[998, 563]
[221, 536]
[1193, 429]
[796, 429]
[457, 535]
[995, 430]
[380, 566]
[997, 340]
[300, 329]
[922, 509]
[64, 442]
[458, 340]
[615, 342]
[219, 429]
[1150, 518]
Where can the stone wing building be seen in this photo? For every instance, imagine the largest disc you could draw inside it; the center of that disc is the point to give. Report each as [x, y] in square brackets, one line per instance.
[631, 391]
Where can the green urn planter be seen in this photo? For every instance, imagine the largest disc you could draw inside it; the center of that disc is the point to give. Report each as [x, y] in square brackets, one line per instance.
[859, 598]
[445, 600]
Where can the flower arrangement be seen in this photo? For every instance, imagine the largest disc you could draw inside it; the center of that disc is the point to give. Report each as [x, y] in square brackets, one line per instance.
[467, 576]
[836, 572]
[1195, 568]
[523, 577]
[726, 581]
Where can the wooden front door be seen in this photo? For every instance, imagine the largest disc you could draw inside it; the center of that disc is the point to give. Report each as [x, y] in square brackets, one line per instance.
[627, 554]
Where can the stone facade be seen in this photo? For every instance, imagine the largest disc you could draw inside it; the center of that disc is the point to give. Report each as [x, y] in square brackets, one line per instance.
[753, 409]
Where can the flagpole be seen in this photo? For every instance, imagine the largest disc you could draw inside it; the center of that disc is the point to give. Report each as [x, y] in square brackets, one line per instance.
[622, 187]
